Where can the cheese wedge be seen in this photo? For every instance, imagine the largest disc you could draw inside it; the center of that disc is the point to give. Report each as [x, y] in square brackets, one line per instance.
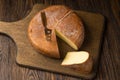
[63, 22]
[80, 61]
[68, 41]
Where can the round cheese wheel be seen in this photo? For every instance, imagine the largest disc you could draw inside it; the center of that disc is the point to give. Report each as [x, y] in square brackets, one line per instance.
[63, 22]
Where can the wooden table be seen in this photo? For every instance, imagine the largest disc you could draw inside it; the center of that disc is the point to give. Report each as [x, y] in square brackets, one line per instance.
[109, 69]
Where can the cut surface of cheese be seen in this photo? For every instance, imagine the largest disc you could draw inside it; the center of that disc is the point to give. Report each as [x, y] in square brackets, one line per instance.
[68, 41]
[63, 22]
[75, 58]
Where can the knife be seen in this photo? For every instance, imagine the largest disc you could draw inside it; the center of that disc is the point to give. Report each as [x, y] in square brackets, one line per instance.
[47, 30]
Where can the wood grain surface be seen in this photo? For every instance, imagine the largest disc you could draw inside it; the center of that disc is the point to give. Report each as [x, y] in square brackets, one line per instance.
[109, 69]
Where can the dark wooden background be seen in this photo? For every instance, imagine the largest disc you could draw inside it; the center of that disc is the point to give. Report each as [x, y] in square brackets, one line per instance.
[109, 69]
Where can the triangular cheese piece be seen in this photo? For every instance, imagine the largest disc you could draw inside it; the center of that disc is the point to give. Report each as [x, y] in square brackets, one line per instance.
[64, 38]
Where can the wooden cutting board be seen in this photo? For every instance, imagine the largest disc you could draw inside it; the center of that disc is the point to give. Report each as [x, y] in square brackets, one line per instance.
[27, 56]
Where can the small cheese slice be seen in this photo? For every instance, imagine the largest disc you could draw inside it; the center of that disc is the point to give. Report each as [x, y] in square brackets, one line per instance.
[80, 61]
[75, 58]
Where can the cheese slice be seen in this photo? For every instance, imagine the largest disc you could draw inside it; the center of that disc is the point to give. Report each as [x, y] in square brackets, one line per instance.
[63, 22]
[80, 61]
[75, 58]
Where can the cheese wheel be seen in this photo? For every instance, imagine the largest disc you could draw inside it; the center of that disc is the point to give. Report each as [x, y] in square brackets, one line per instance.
[63, 22]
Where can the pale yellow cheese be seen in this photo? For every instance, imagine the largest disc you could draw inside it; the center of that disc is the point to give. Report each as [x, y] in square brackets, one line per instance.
[75, 58]
[64, 38]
